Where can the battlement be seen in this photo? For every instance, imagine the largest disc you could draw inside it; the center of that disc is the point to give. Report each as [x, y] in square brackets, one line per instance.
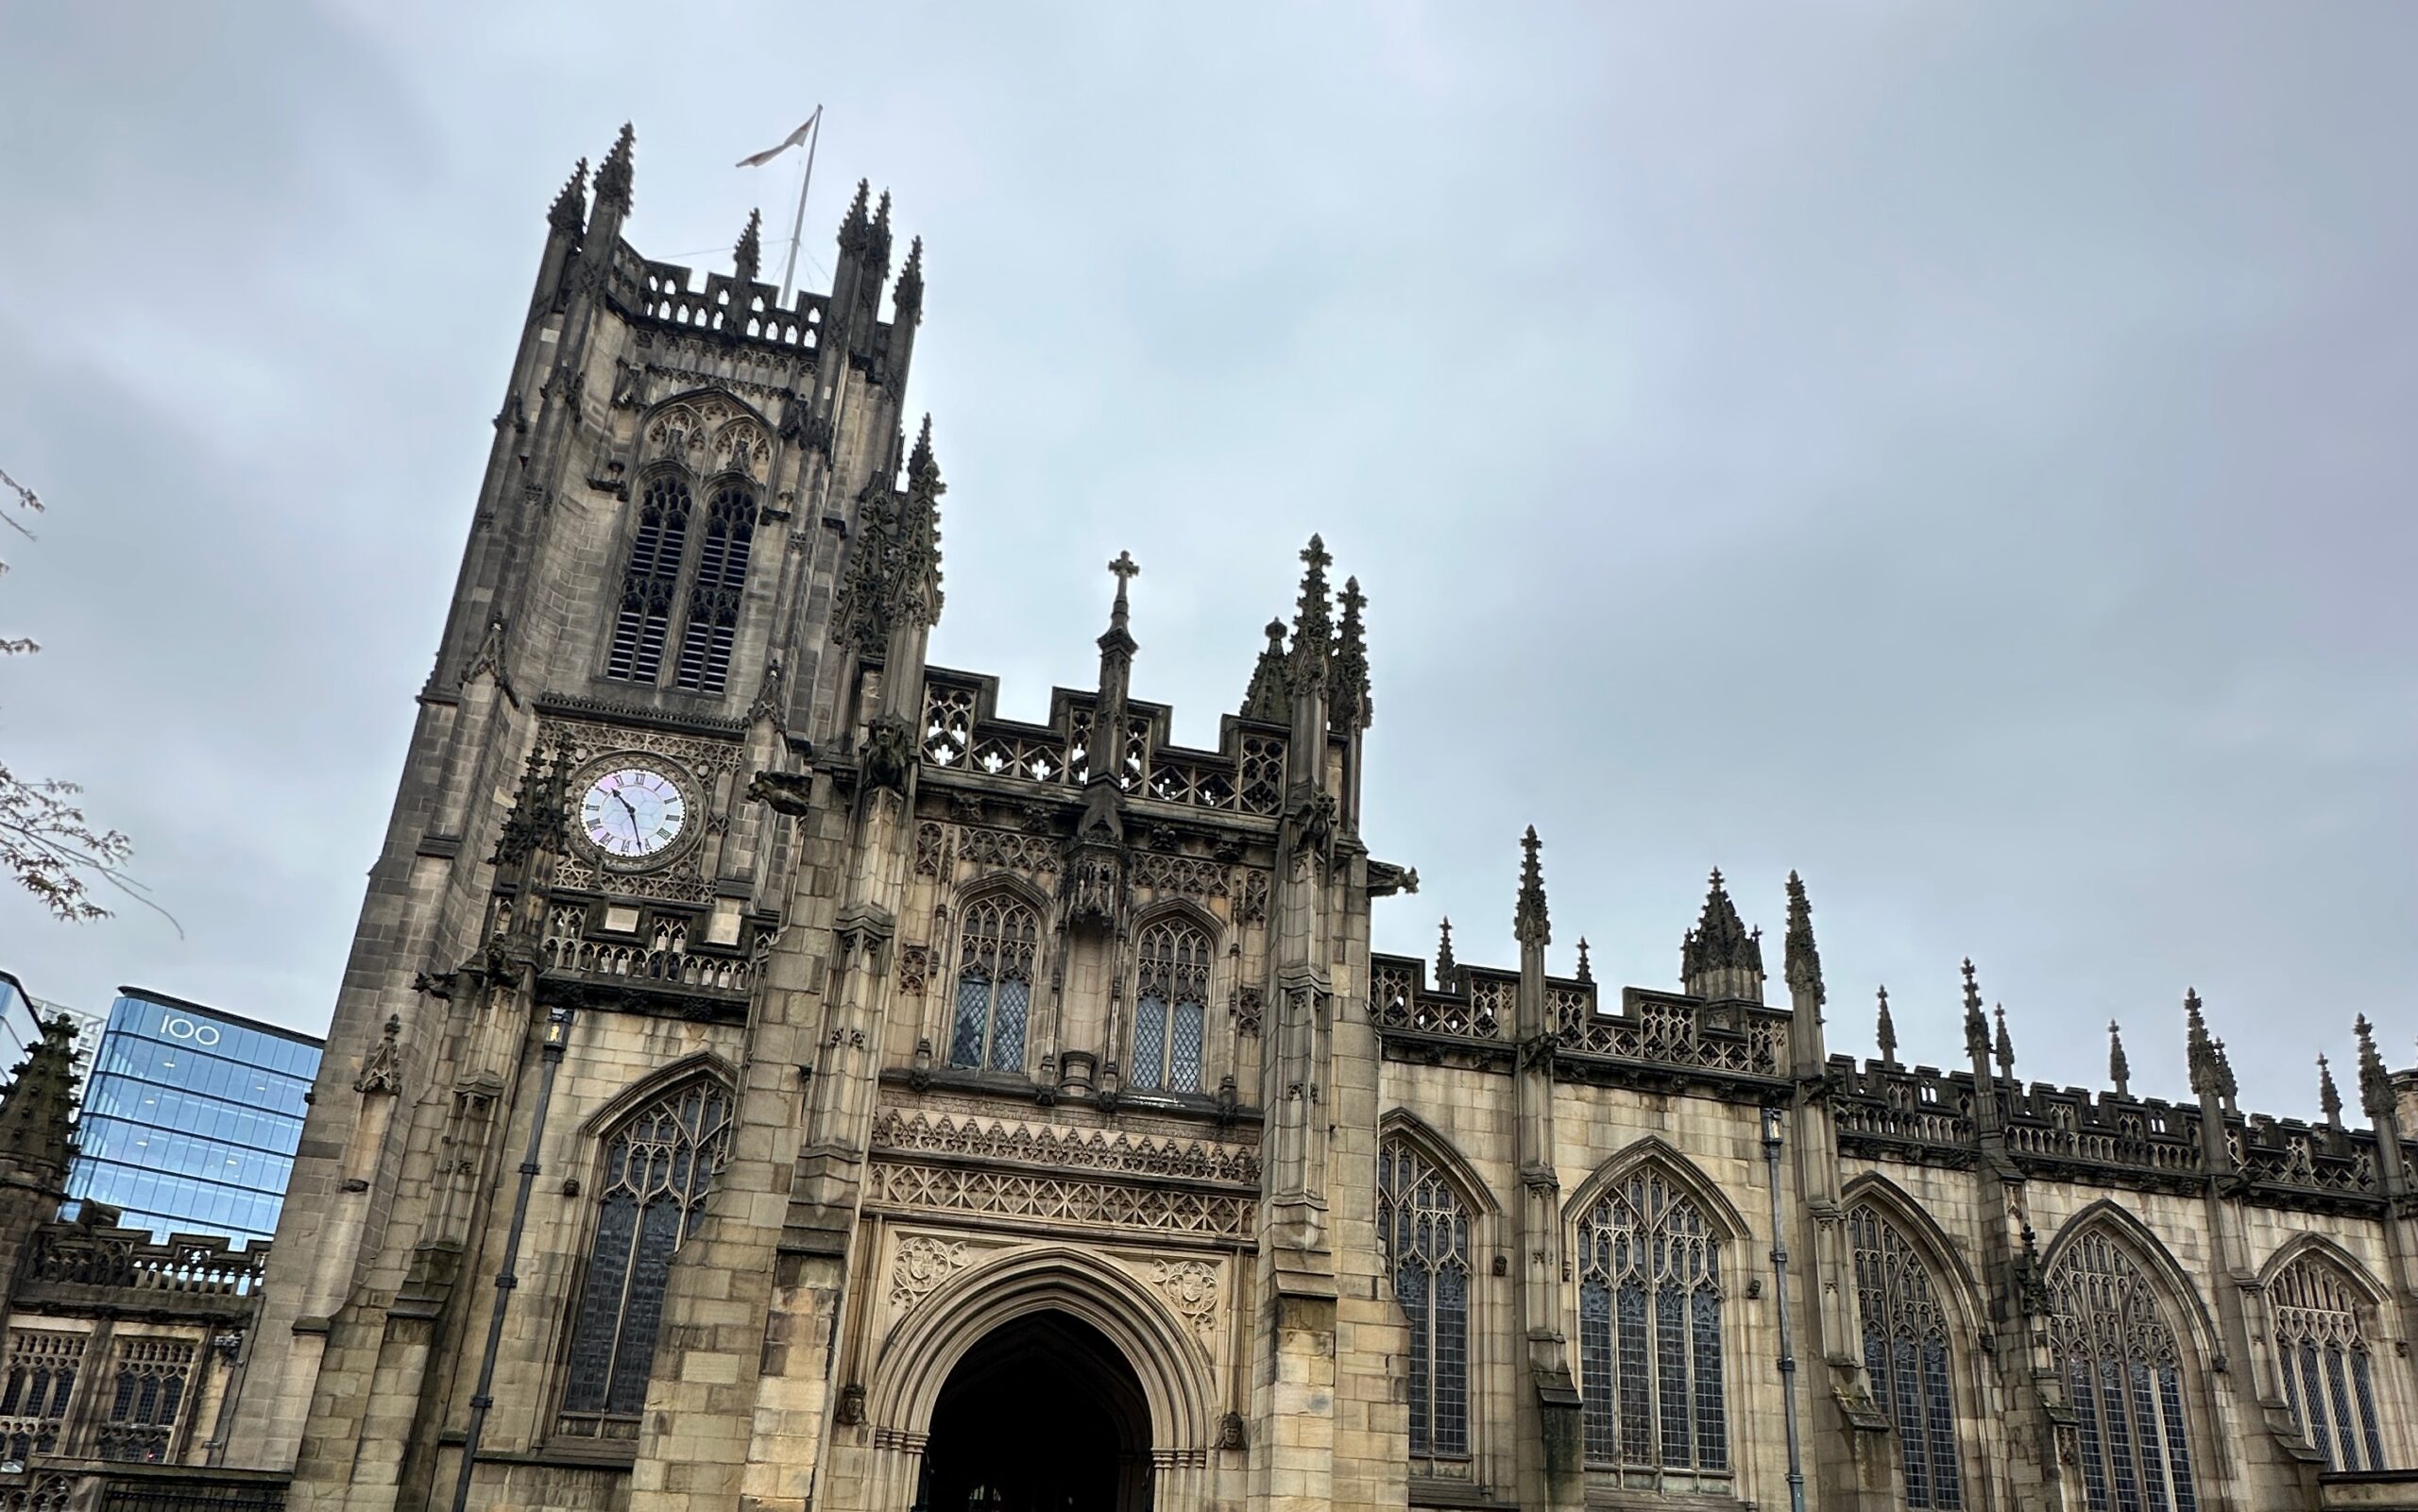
[1668, 1031]
[962, 732]
[668, 294]
[71, 1268]
[1928, 1116]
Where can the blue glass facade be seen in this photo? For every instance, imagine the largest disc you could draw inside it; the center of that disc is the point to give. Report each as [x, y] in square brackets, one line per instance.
[191, 1118]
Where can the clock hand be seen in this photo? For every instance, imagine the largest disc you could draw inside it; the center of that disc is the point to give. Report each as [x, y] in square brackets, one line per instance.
[634, 816]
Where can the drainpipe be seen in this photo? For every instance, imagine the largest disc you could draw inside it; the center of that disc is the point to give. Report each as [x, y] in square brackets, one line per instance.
[1780, 1287]
[550, 1059]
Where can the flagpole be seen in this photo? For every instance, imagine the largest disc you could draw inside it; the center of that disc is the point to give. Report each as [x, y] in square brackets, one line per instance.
[797, 226]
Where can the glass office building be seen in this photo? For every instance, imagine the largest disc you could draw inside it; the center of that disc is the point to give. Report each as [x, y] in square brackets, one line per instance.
[192, 1117]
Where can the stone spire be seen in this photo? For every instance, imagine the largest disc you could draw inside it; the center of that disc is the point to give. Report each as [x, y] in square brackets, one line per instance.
[1586, 971]
[1886, 1032]
[1313, 623]
[1719, 958]
[1530, 923]
[1445, 964]
[1117, 648]
[613, 179]
[2119, 1070]
[1351, 707]
[749, 255]
[919, 589]
[855, 227]
[2328, 1097]
[35, 1134]
[2376, 1087]
[568, 213]
[893, 563]
[1977, 1029]
[1804, 962]
[2200, 1052]
[2005, 1047]
[907, 295]
[1267, 698]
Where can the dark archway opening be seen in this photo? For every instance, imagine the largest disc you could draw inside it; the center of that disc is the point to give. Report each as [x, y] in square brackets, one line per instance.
[1043, 1415]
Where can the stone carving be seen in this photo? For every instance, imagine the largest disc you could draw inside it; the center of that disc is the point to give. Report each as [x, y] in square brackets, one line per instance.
[1062, 1199]
[1191, 1288]
[381, 1068]
[1123, 1153]
[914, 964]
[921, 1263]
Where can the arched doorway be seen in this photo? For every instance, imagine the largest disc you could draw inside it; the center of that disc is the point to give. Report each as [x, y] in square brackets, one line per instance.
[1043, 1415]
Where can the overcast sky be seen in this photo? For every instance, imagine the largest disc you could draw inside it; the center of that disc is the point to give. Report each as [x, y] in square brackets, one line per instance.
[1966, 454]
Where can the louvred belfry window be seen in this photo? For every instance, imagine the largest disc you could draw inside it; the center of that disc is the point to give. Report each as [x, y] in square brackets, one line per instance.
[2322, 1352]
[650, 584]
[1425, 1229]
[658, 1166]
[1905, 1354]
[993, 1001]
[1170, 1009]
[2124, 1375]
[1649, 1331]
[713, 597]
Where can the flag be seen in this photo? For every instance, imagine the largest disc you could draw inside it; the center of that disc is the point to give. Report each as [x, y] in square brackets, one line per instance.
[796, 138]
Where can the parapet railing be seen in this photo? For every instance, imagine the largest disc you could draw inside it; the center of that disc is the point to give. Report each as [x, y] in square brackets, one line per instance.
[1663, 1030]
[1245, 775]
[129, 1260]
[661, 292]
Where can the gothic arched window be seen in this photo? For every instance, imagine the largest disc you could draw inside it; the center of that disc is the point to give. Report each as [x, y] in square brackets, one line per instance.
[650, 582]
[995, 959]
[1905, 1352]
[1425, 1227]
[1171, 1008]
[2323, 1356]
[713, 597]
[1649, 1327]
[659, 1163]
[2124, 1374]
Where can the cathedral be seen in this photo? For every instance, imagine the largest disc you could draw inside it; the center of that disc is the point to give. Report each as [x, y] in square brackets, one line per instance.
[768, 1078]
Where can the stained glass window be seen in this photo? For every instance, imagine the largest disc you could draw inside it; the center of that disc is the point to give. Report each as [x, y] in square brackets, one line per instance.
[995, 959]
[1171, 1008]
[1427, 1232]
[658, 1166]
[2322, 1351]
[148, 1389]
[713, 597]
[1905, 1354]
[33, 1400]
[650, 582]
[1649, 1327]
[2123, 1371]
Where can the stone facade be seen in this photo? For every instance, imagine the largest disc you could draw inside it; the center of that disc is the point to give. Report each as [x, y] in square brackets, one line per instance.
[768, 1078]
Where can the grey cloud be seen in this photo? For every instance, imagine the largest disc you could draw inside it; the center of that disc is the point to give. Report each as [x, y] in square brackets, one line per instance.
[1959, 453]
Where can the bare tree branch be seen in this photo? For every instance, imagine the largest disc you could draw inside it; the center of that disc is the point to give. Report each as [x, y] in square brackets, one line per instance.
[48, 844]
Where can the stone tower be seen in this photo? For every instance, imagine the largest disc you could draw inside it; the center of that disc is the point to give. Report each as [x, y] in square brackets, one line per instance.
[691, 563]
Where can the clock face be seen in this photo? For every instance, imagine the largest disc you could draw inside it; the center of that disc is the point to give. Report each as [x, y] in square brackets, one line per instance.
[632, 812]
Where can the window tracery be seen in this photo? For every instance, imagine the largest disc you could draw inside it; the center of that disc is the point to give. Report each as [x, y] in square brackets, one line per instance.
[2324, 1358]
[2124, 1375]
[1171, 1008]
[650, 582]
[1649, 1321]
[713, 595]
[997, 946]
[659, 1164]
[1425, 1229]
[1906, 1354]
